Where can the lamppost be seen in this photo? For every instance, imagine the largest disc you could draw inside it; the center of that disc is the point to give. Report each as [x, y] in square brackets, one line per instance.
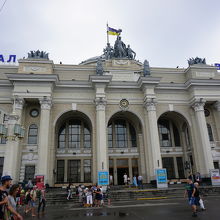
[18, 132]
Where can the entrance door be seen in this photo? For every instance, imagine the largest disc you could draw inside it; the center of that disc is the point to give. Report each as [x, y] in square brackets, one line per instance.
[120, 174]
[73, 173]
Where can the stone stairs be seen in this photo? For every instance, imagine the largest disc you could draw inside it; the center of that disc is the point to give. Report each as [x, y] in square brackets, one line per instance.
[57, 196]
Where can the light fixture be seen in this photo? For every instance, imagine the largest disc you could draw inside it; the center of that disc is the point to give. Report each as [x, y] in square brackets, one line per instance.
[3, 130]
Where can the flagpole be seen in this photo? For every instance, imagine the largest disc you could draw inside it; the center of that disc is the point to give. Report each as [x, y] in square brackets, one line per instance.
[107, 34]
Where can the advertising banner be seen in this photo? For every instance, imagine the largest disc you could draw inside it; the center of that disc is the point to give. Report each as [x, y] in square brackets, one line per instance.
[103, 178]
[161, 177]
[215, 177]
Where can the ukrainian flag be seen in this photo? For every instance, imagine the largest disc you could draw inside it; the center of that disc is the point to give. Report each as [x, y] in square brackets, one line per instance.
[112, 31]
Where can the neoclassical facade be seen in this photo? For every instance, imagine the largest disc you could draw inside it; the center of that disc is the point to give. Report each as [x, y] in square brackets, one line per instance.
[77, 122]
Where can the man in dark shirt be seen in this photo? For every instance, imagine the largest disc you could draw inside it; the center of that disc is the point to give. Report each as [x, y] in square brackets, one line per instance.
[4, 203]
[189, 189]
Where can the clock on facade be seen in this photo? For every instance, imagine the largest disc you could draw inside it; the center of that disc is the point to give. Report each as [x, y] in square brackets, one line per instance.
[124, 104]
[34, 113]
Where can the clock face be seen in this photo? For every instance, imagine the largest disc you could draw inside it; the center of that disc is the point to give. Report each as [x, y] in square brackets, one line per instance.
[34, 113]
[124, 103]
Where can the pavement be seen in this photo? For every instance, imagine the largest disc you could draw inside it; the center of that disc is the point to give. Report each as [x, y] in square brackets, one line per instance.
[166, 209]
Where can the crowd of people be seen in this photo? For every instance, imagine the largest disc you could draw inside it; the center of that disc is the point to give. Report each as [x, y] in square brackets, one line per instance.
[92, 196]
[18, 199]
[194, 196]
[137, 181]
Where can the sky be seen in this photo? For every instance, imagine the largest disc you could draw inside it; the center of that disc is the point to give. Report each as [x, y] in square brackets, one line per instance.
[165, 32]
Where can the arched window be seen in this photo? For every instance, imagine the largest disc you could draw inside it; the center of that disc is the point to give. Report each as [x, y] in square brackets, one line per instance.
[211, 138]
[121, 134]
[74, 134]
[32, 134]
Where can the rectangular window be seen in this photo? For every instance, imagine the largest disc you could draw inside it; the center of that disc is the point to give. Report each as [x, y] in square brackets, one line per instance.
[87, 171]
[74, 171]
[179, 161]
[168, 163]
[1, 165]
[74, 135]
[164, 133]
[121, 134]
[110, 138]
[122, 163]
[29, 172]
[135, 167]
[87, 138]
[132, 136]
[60, 171]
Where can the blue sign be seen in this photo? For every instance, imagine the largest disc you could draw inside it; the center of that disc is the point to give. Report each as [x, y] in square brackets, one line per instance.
[103, 178]
[161, 175]
[217, 65]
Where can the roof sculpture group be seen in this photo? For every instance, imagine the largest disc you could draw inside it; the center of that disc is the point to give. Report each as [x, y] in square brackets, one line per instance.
[119, 51]
[196, 60]
[38, 55]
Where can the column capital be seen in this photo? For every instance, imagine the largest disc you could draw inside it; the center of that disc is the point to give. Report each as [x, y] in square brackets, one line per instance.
[198, 104]
[100, 103]
[46, 103]
[150, 104]
[19, 103]
[217, 106]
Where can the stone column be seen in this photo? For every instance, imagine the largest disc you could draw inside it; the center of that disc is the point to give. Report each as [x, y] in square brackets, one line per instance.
[152, 129]
[204, 148]
[142, 168]
[43, 147]
[13, 150]
[217, 120]
[130, 173]
[101, 143]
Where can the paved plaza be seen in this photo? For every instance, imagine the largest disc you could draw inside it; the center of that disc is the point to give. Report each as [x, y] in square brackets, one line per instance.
[169, 209]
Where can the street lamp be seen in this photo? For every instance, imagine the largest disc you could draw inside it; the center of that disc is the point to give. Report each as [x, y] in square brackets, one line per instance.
[18, 131]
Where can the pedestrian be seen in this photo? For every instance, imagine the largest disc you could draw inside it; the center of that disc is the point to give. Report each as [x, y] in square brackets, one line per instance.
[80, 193]
[89, 194]
[70, 191]
[125, 177]
[42, 200]
[5, 206]
[189, 189]
[33, 195]
[27, 201]
[14, 190]
[135, 181]
[195, 199]
[111, 179]
[198, 178]
[108, 195]
[30, 184]
[98, 196]
[140, 181]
